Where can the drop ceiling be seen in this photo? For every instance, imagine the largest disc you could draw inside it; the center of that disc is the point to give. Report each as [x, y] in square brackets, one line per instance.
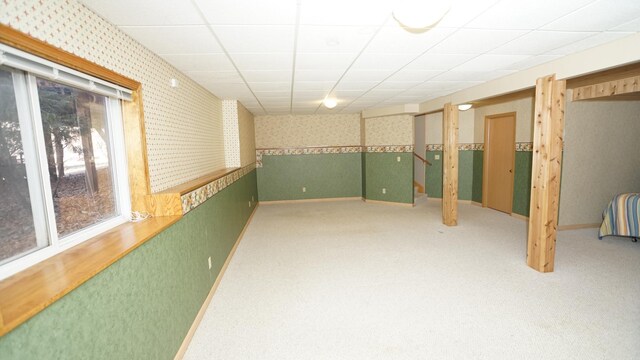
[286, 56]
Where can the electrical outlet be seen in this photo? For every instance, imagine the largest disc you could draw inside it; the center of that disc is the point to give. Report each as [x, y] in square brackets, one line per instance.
[209, 262]
[437, 157]
[384, 190]
[304, 189]
[249, 203]
[398, 158]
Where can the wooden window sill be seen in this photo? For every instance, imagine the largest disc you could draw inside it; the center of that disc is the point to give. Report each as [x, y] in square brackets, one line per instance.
[194, 184]
[28, 292]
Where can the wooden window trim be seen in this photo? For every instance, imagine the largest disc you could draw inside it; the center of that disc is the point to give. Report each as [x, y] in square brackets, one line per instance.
[28, 292]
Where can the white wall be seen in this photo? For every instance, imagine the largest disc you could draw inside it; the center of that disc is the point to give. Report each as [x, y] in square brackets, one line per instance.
[601, 157]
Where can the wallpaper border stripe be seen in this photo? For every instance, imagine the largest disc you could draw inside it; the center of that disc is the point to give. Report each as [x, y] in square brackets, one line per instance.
[198, 196]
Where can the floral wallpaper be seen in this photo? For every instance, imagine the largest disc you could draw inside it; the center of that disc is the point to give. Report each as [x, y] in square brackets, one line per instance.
[389, 130]
[183, 125]
[285, 131]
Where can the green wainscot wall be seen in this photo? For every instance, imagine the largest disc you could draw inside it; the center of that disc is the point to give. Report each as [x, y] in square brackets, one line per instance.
[142, 306]
[522, 183]
[466, 175]
[470, 177]
[433, 174]
[282, 177]
[384, 171]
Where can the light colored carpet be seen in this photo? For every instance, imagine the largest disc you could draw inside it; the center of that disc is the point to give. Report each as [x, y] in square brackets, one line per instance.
[354, 280]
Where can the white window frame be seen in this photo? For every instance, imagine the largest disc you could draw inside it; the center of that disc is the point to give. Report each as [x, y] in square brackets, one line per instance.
[26, 92]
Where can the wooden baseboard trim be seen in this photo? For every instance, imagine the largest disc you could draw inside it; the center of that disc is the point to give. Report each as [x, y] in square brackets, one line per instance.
[273, 202]
[388, 203]
[579, 226]
[203, 309]
[520, 217]
[476, 203]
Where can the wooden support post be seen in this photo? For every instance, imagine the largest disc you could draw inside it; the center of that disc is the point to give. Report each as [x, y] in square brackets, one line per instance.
[450, 166]
[546, 170]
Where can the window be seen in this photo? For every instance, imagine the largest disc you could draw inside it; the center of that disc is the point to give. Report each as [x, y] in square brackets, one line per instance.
[62, 160]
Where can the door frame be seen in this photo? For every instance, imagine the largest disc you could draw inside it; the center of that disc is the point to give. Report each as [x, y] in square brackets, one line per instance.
[485, 156]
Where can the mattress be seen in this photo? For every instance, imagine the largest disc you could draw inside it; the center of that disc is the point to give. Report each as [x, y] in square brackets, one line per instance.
[622, 216]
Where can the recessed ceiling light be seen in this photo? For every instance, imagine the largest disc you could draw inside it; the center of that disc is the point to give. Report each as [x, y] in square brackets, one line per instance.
[330, 103]
[464, 107]
[420, 15]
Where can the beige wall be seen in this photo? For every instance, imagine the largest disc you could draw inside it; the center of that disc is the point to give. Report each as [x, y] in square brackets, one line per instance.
[307, 130]
[524, 118]
[183, 125]
[433, 126]
[389, 130]
[466, 124]
[247, 136]
[601, 157]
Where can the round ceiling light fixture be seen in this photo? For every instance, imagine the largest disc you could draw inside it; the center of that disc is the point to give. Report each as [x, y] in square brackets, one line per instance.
[464, 107]
[330, 103]
[420, 15]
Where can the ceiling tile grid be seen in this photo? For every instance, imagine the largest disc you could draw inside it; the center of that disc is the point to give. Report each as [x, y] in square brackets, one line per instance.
[286, 56]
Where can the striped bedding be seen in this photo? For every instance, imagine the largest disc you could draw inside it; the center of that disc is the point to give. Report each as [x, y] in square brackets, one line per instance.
[622, 216]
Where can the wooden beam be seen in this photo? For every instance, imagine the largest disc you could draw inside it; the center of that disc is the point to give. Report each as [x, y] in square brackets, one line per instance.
[450, 166]
[547, 167]
[499, 99]
[608, 88]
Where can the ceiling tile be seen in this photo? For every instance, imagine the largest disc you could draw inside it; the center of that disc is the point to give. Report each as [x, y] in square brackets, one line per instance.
[471, 75]
[333, 39]
[432, 61]
[356, 85]
[633, 25]
[322, 61]
[249, 12]
[272, 94]
[539, 42]
[256, 38]
[393, 39]
[267, 75]
[366, 75]
[270, 86]
[175, 39]
[263, 61]
[525, 15]
[532, 61]
[588, 43]
[225, 90]
[340, 12]
[490, 62]
[200, 62]
[385, 61]
[219, 76]
[445, 85]
[462, 12]
[315, 95]
[160, 13]
[398, 85]
[467, 41]
[414, 75]
[313, 85]
[329, 75]
[598, 16]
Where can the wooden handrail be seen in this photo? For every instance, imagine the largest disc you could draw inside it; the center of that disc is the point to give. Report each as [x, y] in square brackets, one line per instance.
[423, 159]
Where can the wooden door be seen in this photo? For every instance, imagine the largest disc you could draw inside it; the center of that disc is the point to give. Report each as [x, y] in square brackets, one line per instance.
[499, 161]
